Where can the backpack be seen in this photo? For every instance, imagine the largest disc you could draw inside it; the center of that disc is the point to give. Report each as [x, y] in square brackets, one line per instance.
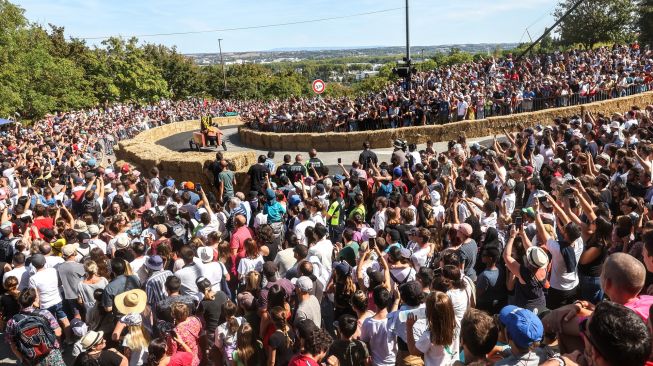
[34, 337]
[7, 250]
[177, 229]
[159, 215]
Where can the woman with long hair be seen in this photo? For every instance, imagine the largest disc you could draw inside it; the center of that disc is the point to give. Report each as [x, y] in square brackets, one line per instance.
[135, 343]
[158, 355]
[282, 339]
[91, 282]
[248, 348]
[342, 286]
[450, 281]
[437, 342]
[276, 298]
[226, 334]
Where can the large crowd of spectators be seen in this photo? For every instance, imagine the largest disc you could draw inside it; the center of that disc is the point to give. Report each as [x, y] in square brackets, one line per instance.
[484, 88]
[537, 249]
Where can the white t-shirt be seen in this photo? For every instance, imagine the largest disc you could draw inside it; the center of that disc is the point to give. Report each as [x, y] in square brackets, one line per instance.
[323, 249]
[300, 231]
[510, 201]
[420, 256]
[250, 264]
[213, 272]
[52, 260]
[383, 349]
[46, 284]
[97, 243]
[560, 278]
[460, 304]
[379, 220]
[435, 355]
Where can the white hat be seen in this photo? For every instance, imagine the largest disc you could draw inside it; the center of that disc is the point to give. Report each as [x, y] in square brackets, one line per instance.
[614, 124]
[536, 257]
[205, 254]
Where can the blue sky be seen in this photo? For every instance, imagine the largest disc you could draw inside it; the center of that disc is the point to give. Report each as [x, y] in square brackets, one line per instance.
[432, 21]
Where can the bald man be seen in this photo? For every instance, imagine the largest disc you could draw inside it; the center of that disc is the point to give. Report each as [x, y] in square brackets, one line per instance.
[239, 235]
[50, 260]
[622, 279]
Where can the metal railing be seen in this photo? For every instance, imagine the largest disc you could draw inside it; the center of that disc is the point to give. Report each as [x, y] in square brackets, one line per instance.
[491, 108]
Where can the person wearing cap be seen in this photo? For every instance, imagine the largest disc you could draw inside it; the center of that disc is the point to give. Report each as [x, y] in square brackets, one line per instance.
[531, 275]
[307, 305]
[214, 271]
[509, 199]
[524, 332]
[156, 279]
[70, 274]
[28, 302]
[271, 274]
[467, 246]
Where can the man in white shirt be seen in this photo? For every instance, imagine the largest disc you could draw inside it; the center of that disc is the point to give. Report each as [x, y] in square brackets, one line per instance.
[300, 229]
[509, 200]
[50, 260]
[19, 271]
[565, 256]
[323, 249]
[46, 283]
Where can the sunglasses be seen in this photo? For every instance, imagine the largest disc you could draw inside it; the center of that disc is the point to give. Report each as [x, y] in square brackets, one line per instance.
[582, 327]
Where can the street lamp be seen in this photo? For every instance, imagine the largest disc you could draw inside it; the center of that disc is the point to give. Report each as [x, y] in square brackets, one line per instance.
[224, 75]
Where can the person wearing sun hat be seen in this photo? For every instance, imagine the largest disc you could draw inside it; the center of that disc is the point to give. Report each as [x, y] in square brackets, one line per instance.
[531, 276]
[94, 345]
[524, 331]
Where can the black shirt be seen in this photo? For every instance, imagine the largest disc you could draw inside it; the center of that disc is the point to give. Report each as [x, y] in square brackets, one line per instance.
[297, 170]
[283, 169]
[257, 174]
[211, 311]
[279, 342]
[104, 358]
[365, 157]
[349, 353]
[317, 164]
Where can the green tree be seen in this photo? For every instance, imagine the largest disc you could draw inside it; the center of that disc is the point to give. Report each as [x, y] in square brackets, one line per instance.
[182, 75]
[136, 77]
[596, 21]
[645, 21]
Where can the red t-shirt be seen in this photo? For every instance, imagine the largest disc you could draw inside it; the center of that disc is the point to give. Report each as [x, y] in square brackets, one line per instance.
[301, 360]
[43, 223]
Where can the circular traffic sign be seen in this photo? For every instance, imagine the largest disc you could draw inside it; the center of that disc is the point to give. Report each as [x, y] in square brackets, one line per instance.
[319, 86]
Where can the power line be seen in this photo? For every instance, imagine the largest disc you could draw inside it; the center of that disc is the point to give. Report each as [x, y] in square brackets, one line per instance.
[255, 26]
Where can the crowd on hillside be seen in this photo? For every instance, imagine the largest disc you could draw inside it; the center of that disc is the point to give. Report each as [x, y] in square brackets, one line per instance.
[484, 88]
[535, 250]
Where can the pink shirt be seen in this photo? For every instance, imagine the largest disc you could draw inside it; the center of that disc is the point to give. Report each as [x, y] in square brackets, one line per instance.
[640, 306]
[238, 239]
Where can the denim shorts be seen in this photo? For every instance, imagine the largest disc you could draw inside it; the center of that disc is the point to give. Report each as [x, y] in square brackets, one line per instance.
[57, 311]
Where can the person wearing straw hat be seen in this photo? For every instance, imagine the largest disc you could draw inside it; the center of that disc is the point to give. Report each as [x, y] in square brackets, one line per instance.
[94, 346]
[131, 302]
[531, 275]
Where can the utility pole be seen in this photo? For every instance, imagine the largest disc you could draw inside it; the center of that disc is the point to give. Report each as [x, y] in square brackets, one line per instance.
[224, 75]
[408, 62]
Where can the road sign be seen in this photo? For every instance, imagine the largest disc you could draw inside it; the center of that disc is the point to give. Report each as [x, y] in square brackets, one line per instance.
[319, 86]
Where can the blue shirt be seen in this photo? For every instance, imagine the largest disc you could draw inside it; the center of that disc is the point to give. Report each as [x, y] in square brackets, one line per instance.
[275, 211]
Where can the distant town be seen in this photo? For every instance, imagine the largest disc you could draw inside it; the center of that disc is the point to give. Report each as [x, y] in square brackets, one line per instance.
[365, 54]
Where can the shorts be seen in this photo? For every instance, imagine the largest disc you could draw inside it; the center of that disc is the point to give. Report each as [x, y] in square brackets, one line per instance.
[57, 311]
[71, 308]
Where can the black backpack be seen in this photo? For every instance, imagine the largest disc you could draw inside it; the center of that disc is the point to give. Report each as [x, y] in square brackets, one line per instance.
[7, 250]
[34, 336]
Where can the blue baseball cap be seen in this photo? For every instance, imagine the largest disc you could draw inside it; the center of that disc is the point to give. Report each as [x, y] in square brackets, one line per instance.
[397, 171]
[170, 183]
[523, 326]
[91, 162]
[294, 200]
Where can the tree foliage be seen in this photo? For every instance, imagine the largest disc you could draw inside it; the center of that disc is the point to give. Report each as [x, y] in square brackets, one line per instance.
[596, 21]
[645, 22]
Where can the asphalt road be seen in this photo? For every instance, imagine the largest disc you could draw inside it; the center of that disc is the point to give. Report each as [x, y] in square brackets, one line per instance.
[179, 142]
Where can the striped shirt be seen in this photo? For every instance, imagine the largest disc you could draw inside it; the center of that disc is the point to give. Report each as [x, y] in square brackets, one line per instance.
[155, 286]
